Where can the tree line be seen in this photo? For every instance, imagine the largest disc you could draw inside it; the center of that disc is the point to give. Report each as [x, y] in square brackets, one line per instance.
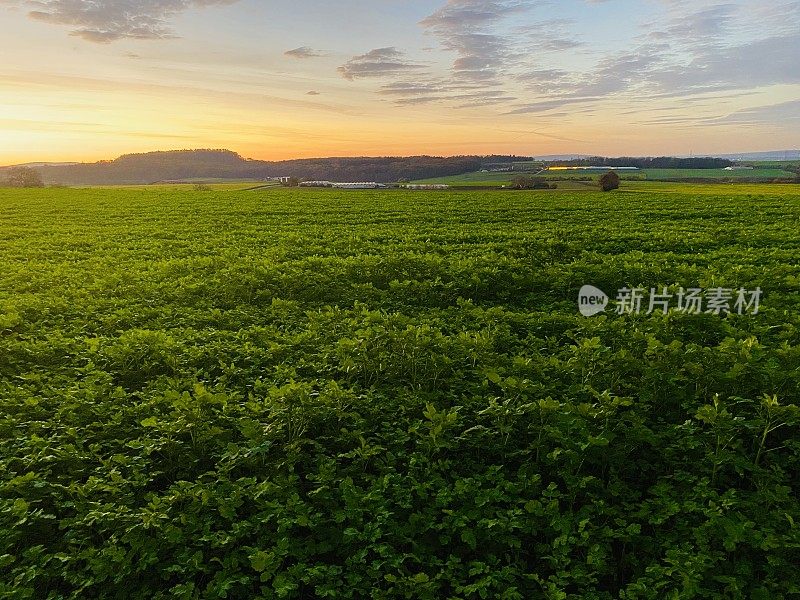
[211, 164]
[661, 162]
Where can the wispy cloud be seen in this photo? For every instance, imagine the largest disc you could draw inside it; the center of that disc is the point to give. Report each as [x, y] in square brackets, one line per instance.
[786, 113]
[700, 27]
[498, 57]
[547, 36]
[548, 105]
[380, 62]
[303, 52]
[697, 52]
[468, 28]
[763, 62]
[510, 58]
[104, 21]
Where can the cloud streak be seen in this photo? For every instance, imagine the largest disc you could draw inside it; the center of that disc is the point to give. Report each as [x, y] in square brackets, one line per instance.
[503, 55]
[303, 52]
[380, 62]
[468, 28]
[104, 21]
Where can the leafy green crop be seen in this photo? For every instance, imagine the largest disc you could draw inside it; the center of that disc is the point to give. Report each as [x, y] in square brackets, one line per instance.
[317, 394]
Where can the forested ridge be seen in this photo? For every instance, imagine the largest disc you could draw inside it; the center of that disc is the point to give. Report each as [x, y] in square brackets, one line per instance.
[154, 167]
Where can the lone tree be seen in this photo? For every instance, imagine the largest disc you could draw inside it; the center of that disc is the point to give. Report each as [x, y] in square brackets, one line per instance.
[609, 181]
[24, 177]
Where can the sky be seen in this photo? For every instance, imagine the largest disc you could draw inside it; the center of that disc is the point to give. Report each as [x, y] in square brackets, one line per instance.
[84, 80]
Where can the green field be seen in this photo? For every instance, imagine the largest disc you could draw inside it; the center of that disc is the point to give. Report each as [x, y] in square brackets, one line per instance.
[499, 179]
[790, 165]
[460, 182]
[478, 178]
[301, 393]
[759, 173]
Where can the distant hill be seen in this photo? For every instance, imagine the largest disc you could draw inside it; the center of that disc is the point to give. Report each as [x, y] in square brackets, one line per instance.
[773, 155]
[153, 167]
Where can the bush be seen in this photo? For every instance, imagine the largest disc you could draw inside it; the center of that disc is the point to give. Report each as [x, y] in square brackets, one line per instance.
[24, 177]
[529, 183]
[609, 181]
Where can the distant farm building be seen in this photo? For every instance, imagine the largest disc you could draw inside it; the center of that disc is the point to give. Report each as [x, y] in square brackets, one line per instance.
[427, 186]
[359, 185]
[280, 179]
[739, 168]
[355, 185]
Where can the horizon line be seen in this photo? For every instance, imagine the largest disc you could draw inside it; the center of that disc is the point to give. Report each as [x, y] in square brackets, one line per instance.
[575, 155]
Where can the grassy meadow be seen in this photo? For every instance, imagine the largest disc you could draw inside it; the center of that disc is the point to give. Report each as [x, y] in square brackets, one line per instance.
[311, 393]
[765, 173]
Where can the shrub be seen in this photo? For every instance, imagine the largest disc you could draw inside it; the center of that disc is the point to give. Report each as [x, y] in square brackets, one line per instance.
[24, 177]
[522, 182]
[609, 181]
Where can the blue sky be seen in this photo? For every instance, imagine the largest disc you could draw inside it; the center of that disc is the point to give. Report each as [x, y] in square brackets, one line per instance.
[81, 79]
